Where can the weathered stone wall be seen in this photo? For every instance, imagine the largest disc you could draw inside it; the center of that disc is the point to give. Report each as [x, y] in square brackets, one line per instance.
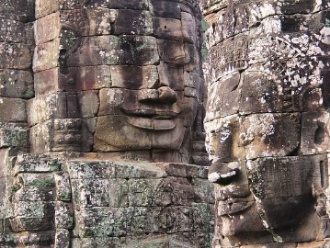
[267, 121]
[126, 204]
[80, 203]
[16, 86]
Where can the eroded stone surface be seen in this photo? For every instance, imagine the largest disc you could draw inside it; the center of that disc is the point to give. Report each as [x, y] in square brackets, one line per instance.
[111, 82]
[266, 121]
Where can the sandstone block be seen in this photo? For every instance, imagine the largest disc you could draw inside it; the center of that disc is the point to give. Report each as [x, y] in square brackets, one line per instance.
[141, 220]
[43, 180]
[165, 9]
[63, 187]
[101, 21]
[29, 209]
[203, 191]
[15, 56]
[315, 133]
[278, 135]
[60, 23]
[41, 239]
[203, 218]
[111, 50]
[14, 137]
[87, 133]
[192, 79]
[118, 189]
[90, 170]
[189, 29]
[16, 10]
[304, 172]
[16, 84]
[20, 224]
[94, 193]
[184, 170]
[134, 77]
[35, 163]
[67, 135]
[141, 192]
[137, 170]
[182, 221]
[72, 78]
[134, 4]
[62, 238]
[100, 222]
[138, 22]
[12, 110]
[33, 194]
[46, 55]
[6, 163]
[12, 31]
[88, 103]
[171, 76]
[260, 94]
[304, 7]
[181, 191]
[192, 57]
[186, 108]
[229, 58]
[172, 52]
[167, 28]
[57, 105]
[47, 28]
[151, 240]
[98, 242]
[43, 8]
[63, 215]
[190, 92]
[40, 138]
[29, 32]
[5, 206]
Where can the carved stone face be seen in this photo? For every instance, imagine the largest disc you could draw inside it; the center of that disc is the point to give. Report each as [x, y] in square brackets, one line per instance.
[267, 131]
[150, 55]
[145, 114]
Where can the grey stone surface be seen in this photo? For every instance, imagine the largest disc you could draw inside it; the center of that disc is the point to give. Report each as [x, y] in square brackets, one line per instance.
[266, 121]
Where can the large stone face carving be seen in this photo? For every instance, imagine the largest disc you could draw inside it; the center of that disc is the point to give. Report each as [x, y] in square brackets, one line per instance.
[103, 83]
[266, 121]
[132, 74]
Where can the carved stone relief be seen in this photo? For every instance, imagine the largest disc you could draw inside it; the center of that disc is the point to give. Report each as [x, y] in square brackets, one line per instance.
[267, 121]
[101, 109]
[132, 74]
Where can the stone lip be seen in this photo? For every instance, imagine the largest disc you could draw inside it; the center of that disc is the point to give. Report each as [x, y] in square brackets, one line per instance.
[234, 206]
[151, 123]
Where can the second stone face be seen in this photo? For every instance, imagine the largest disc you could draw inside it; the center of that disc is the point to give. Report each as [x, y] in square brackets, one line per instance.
[267, 131]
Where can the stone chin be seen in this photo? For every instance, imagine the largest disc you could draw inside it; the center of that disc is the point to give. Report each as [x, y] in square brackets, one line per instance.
[153, 120]
[242, 221]
[124, 133]
[258, 222]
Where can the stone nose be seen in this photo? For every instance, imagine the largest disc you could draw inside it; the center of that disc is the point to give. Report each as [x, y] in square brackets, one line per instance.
[223, 173]
[163, 94]
[167, 95]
